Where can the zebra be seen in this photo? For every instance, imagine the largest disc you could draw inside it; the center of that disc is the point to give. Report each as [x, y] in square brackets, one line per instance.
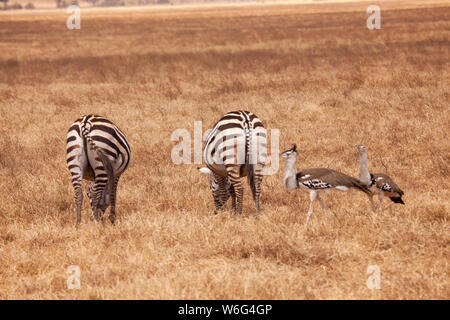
[99, 152]
[236, 147]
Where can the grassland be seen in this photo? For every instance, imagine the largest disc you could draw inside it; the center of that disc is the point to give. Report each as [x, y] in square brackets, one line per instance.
[315, 72]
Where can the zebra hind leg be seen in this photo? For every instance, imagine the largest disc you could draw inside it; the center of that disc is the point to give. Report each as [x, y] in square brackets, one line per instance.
[107, 191]
[221, 193]
[239, 191]
[233, 172]
[78, 187]
[112, 212]
[77, 182]
[256, 189]
[233, 198]
[90, 194]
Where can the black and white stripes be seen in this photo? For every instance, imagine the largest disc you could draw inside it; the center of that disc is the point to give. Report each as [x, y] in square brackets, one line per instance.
[235, 147]
[97, 151]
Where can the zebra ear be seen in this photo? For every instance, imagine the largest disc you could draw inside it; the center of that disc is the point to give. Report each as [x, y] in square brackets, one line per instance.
[205, 170]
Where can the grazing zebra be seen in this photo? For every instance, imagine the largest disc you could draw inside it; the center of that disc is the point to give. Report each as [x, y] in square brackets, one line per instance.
[316, 180]
[97, 151]
[378, 183]
[236, 147]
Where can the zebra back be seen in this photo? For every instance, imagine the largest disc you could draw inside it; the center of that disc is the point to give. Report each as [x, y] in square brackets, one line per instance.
[238, 138]
[98, 132]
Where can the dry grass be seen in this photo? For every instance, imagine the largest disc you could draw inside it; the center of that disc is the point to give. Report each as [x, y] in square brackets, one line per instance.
[314, 72]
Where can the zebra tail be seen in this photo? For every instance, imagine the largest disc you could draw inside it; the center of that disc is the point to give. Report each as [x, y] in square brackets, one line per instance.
[249, 163]
[251, 178]
[106, 164]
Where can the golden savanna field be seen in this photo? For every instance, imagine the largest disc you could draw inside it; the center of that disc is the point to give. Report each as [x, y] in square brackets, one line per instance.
[313, 71]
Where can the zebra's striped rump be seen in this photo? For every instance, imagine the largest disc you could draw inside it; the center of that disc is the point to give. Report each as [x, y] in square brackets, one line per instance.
[97, 151]
[236, 147]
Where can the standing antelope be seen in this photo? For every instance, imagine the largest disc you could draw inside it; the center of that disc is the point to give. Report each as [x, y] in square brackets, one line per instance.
[236, 147]
[378, 183]
[99, 152]
[316, 180]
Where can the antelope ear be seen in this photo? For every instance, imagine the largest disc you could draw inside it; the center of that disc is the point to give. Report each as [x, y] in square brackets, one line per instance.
[205, 170]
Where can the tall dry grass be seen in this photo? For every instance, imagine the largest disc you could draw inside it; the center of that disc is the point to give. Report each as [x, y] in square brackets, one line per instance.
[313, 72]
